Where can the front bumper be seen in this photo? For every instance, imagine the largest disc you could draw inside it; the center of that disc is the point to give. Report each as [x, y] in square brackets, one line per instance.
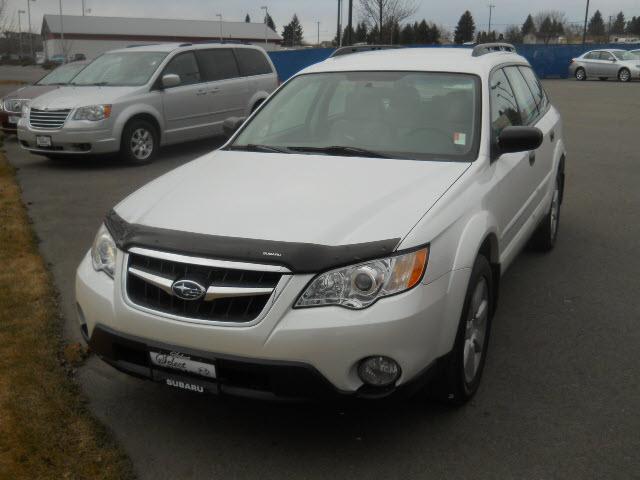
[75, 138]
[5, 125]
[314, 346]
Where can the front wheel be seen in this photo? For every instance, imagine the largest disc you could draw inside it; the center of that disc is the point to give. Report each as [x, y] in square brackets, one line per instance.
[544, 238]
[139, 142]
[581, 75]
[624, 75]
[461, 370]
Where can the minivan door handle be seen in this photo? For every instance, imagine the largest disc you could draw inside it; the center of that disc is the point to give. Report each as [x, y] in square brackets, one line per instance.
[552, 135]
[532, 158]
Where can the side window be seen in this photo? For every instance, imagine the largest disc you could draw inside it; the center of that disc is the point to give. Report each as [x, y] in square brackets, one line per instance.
[606, 56]
[186, 67]
[591, 56]
[252, 62]
[217, 64]
[536, 88]
[526, 102]
[504, 109]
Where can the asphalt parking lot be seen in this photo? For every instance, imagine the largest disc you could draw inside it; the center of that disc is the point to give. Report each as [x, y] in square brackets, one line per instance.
[561, 389]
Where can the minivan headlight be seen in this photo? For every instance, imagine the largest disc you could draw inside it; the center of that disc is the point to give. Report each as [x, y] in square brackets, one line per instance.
[103, 252]
[359, 286]
[93, 113]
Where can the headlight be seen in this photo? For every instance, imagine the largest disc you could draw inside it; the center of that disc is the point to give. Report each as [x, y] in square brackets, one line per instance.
[359, 286]
[93, 113]
[103, 252]
[13, 105]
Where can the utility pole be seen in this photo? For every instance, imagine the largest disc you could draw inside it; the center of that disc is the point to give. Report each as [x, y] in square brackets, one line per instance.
[29, 29]
[20, 12]
[609, 29]
[491, 7]
[64, 54]
[219, 15]
[586, 17]
[339, 35]
[318, 33]
[350, 27]
[83, 9]
[266, 16]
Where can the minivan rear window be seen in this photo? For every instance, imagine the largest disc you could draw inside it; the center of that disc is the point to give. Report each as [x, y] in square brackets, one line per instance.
[252, 62]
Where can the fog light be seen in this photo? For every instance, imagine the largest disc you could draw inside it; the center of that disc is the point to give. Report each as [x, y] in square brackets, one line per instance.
[378, 371]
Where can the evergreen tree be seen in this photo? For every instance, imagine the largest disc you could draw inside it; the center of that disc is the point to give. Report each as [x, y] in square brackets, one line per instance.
[345, 36]
[373, 35]
[394, 33]
[270, 23]
[407, 36]
[633, 27]
[596, 25]
[619, 24]
[422, 33]
[466, 28]
[361, 33]
[434, 34]
[292, 32]
[247, 19]
[513, 34]
[528, 27]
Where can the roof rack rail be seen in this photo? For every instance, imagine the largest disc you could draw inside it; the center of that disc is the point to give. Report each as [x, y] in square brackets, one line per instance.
[486, 48]
[362, 48]
[185, 44]
[141, 45]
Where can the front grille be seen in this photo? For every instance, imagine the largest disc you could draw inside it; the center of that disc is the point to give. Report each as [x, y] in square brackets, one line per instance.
[236, 309]
[48, 119]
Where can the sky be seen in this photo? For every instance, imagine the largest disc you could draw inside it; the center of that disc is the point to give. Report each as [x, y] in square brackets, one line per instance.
[310, 12]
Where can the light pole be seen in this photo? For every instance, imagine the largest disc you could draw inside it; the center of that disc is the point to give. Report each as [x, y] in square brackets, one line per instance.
[586, 17]
[349, 40]
[83, 8]
[29, 29]
[219, 15]
[339, 35]
[266, 16]
[64, 55]
[491, 7]
[20, 12]
[318, 33]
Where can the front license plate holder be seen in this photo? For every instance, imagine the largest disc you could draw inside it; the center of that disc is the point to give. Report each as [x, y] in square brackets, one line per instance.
[182, 363]
[43, 141]
[14, 119]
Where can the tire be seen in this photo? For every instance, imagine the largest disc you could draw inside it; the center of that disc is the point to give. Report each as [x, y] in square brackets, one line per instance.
[603, 79]
[257, 105]
[624, 75]
[581, 74]
[140, 142]
[457, 384]
[544, 238]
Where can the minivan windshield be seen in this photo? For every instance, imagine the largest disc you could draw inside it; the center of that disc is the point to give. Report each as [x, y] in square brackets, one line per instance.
[120, 69]
[62, 75]
[405, 115]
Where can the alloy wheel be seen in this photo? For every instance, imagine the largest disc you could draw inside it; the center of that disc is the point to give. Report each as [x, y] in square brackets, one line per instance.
[141, 144]
[476, 331]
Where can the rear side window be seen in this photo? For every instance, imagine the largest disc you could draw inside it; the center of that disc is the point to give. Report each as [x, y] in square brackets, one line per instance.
[186, 67]
[606, 56]
[217, 64]
[536, 88]
[526, 102]
[504, 108]
[591, 56]
[252, 62]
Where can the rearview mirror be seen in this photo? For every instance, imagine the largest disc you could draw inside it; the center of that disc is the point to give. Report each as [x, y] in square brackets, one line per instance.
[231, 125]
[519, 139]
[171, 80]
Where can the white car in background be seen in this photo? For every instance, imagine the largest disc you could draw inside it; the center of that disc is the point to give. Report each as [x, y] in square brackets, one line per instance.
[134, 100]
[349, 239]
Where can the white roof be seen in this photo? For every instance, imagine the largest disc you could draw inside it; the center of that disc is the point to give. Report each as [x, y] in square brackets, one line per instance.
[157, 27]
[459, 60]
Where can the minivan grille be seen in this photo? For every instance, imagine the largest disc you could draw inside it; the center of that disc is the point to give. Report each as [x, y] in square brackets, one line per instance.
[143, 273]
[48, 119]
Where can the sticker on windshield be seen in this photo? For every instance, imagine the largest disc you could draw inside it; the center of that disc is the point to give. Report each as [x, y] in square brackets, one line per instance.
[460, 138]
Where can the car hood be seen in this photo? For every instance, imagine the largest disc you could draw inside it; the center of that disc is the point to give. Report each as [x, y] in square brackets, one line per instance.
[31, 91]
[294, 198]
[72, 97]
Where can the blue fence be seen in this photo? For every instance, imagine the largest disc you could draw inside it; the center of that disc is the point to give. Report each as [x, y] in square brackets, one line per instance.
[549, 61]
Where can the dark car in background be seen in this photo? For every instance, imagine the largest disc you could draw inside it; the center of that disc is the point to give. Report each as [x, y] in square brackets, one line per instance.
[11, 105]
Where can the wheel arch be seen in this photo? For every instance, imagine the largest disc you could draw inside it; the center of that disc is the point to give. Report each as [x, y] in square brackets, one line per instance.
[132, 113]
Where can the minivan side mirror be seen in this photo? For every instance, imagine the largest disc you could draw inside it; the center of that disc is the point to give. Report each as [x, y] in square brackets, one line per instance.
[518, 139]
[171, 80]
[231, 125]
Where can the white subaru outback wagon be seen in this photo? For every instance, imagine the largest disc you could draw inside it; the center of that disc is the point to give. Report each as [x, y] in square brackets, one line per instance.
[349, 238]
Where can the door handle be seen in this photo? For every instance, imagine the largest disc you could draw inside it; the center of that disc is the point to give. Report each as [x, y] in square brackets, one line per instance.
[552, 136]
[532, 158]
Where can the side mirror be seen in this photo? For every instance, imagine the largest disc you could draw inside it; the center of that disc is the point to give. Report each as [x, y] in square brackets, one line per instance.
[519, 139]
[231, 125]
[171, 80]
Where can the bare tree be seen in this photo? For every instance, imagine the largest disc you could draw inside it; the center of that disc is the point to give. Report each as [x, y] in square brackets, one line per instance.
[382, 13]
[555, 16]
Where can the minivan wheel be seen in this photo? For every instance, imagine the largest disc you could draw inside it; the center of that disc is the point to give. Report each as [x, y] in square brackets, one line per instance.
[139, 142]
[461, 370]
[544, 238]
[624, 75]
[581, 75]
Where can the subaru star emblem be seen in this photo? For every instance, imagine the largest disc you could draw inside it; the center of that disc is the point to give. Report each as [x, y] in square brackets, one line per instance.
[188, 290]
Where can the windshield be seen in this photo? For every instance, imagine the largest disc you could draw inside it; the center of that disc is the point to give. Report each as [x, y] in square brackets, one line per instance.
[120, 69]
[622, 55]
[407, 115]
[61, 75]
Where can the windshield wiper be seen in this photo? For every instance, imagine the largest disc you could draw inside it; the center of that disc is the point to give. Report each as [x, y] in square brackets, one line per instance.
[253, 147]
[342, 150]
[95, 84]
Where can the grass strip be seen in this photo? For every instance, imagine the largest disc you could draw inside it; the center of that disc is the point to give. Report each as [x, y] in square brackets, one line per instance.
[46, 430]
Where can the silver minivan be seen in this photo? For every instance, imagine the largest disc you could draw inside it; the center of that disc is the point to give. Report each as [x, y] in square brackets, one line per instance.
[134, 100]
